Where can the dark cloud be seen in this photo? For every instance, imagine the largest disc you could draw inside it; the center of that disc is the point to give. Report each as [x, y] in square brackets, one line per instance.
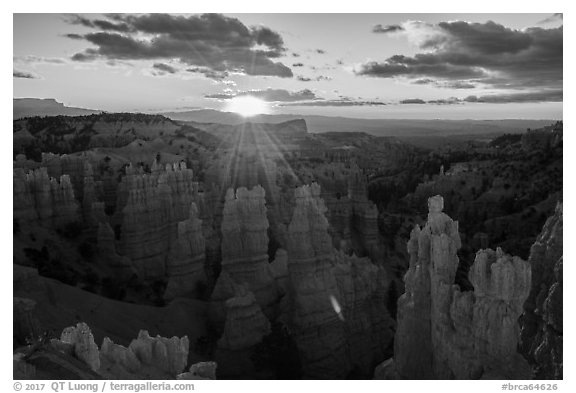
[539, 96]
[298, 65]
[208, 73]
[269, 95]
[211, 41]
[459, 85]
[387, 28]
[74, 36]
[320, 51]
[165, 68]
[552, 18]
[24, 74]
[296, 54]
[100, 24]
[424, 81]
[343, 101]
[445, 101]
[317, 78]
[466, 55]
[413, 101]
[520, 97]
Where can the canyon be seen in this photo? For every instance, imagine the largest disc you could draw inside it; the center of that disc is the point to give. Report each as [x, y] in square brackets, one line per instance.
[266, 251]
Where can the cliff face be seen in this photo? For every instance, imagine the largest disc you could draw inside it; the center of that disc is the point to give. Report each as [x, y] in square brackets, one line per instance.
[446, 333]
[106, 247]
[151, 207]
[364, 216]
[542, 320]
[41, 199]
[185, 263]
[338, 317]
[245, 247]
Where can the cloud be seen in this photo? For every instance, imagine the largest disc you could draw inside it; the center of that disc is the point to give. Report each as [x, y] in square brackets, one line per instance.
[209, 73]
[387, 28]
[99, 24]
[553, 18]
[31, 59]
[538, 96]
[316, 79]
[269, 95]
[165, 68]
[207, 41]
[343, 101]
[25, 74]
[505, 98]
[445, 101]
[413, 101]
[466, 55]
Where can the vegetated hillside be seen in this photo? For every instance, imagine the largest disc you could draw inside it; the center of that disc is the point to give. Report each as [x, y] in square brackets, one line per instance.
[69, 134]
[501, 193]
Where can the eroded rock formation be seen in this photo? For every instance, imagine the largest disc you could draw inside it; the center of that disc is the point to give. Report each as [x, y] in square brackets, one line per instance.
[151, 207]
[39, 198]
[245, 247]
[339, 318]
[185, 264]
[145, 358]
[246, 325]
[542, 321]
[445, 333]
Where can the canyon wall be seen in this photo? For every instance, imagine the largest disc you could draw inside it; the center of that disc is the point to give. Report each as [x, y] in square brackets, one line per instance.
[542, 321]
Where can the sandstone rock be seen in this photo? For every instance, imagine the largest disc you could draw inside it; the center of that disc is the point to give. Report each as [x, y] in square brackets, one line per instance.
[245, 245]
[445, 333]
[202, 370]
[339, 318]
[246, 325]
[151, 206]
[145, 358]
[106, 247]
[83, 345]
[185, 263]
[542, 327]
[42, 199]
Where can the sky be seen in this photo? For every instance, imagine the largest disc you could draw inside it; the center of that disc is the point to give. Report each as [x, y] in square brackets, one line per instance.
[452, 66]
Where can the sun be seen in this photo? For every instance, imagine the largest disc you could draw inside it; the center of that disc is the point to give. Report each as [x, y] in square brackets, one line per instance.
[247, 106]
